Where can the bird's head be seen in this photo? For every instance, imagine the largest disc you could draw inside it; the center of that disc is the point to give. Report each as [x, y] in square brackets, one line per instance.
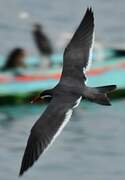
[47, 94]
[37, 27]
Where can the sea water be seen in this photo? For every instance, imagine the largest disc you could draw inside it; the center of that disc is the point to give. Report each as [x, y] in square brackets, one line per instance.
[91, 146]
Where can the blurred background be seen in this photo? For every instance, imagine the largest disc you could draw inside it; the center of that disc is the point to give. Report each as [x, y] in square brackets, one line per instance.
[33, 35]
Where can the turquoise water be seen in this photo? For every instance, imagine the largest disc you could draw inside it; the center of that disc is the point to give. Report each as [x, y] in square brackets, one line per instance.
[90, 147]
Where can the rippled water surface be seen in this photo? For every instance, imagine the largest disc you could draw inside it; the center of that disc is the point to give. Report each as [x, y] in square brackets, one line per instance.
[90, 147]
[59, 18]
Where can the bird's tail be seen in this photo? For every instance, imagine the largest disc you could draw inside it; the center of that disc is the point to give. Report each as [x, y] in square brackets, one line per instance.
[99, 94]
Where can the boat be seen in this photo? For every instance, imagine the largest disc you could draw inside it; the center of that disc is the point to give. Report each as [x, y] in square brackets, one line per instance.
[99, 53]
[21, 89]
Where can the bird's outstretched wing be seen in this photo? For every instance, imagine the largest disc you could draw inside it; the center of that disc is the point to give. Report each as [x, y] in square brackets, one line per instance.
[76, 54]
[47, 128]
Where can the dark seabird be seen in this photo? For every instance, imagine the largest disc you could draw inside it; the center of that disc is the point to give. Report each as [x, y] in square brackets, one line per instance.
[41, 40]
[15, 59]
[66, 96]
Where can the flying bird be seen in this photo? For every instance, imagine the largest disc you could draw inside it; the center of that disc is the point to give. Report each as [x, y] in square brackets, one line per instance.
[67, 94]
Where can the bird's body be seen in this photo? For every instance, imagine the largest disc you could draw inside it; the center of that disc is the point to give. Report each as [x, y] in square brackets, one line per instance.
[41, 40]
[15, 59]
[66, 96]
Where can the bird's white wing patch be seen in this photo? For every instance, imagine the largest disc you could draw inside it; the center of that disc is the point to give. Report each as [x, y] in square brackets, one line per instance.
[67, 118]
[90, 54]
[77, 102]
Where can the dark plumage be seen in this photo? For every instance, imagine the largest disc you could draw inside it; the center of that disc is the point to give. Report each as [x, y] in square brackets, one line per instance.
[41, 40]
[15, 59]
[67, 94]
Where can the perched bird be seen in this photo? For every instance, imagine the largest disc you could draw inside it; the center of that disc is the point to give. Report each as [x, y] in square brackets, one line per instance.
[66, 96]
[41, 40]
[15, 59]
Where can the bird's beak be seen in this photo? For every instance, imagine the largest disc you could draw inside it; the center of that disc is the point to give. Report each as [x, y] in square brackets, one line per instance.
[36, 99]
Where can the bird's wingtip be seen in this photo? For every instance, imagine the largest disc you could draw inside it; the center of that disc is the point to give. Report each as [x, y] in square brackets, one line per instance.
[22, 170]
[89, 9]
[21, 173]
[89, 14]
